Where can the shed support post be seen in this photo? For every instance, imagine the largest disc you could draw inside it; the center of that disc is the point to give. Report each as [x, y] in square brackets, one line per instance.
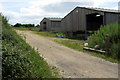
[103, 20]
[70, 34]
[85, 34]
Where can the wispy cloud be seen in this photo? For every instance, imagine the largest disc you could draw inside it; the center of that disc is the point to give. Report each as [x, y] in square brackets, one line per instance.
[32, 11]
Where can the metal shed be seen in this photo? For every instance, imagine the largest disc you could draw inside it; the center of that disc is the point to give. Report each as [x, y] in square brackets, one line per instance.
[50, 24]
[90, 19]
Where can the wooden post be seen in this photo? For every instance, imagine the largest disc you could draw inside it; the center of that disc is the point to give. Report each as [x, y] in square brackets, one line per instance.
[86, 34]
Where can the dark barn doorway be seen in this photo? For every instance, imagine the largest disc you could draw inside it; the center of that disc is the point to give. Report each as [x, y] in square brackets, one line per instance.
[44, 27]
[94, 21]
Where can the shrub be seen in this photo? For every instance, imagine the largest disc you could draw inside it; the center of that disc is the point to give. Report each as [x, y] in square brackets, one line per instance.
[108, 39]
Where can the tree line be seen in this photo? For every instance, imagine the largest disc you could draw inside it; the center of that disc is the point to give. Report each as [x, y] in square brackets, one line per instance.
[25, 25]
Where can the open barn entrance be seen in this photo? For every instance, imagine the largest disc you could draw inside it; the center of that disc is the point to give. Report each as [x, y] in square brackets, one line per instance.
[44, 26]
[94, 21]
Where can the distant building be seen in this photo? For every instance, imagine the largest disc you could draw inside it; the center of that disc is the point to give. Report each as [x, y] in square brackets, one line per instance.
[81, 19]
[50, 24]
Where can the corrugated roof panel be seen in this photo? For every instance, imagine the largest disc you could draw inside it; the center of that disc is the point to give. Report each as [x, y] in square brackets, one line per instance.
[101, 9]
[55, 19]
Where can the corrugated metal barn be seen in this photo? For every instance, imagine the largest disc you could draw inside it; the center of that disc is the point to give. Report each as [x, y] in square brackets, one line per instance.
[50, 24]
[82, 19]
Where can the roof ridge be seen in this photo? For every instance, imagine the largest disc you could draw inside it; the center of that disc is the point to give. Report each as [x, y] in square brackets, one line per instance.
[53, 17]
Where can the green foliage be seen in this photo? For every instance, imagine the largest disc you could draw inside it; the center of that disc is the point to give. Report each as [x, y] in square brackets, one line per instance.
[108, 39]
[24, 25]
[19, 60]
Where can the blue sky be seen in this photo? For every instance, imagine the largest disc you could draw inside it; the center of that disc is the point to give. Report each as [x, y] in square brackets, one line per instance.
[33, 11]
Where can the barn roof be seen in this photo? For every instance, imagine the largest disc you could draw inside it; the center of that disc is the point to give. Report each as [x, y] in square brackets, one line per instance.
[101, 9]
[96, 9]
[55, 19]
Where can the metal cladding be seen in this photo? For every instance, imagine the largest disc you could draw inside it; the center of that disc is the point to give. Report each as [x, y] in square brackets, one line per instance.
[81, 19]
[50, 24]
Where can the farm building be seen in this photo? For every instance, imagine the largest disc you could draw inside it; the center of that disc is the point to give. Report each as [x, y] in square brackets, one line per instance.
[81, 20]
[88, 19]
[50, 24]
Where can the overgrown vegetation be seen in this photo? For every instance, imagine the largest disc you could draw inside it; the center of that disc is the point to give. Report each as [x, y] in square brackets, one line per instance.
[107, 39]
[19, 60]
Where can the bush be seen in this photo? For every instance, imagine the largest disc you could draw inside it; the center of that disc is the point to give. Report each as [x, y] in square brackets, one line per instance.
[108, 39]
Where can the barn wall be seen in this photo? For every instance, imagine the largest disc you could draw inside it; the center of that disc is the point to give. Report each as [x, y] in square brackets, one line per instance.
[41, 24]
[63, 25]
[48, 24]
[68, 22]
[81, 19]
[55, 25]
[111, 18]
[76, 20]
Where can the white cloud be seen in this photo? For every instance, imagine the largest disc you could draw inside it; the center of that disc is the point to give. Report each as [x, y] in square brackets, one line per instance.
[1, 7]
[41, 3]
[35, 11]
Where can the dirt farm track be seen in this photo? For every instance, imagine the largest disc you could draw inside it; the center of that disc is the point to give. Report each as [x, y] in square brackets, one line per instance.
[72, 63]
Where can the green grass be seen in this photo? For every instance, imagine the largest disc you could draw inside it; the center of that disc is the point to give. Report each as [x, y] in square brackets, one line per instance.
[43, 33]
[46, 34]
[19, 59]
[74, 44]
[78, 45]
[24, 28]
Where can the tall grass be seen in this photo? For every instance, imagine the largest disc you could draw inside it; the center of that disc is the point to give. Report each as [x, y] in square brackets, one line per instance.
[19, 60]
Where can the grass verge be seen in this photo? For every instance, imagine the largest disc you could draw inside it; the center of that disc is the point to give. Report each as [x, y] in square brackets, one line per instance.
[19, 59]
[24, 28]
[78, 45]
